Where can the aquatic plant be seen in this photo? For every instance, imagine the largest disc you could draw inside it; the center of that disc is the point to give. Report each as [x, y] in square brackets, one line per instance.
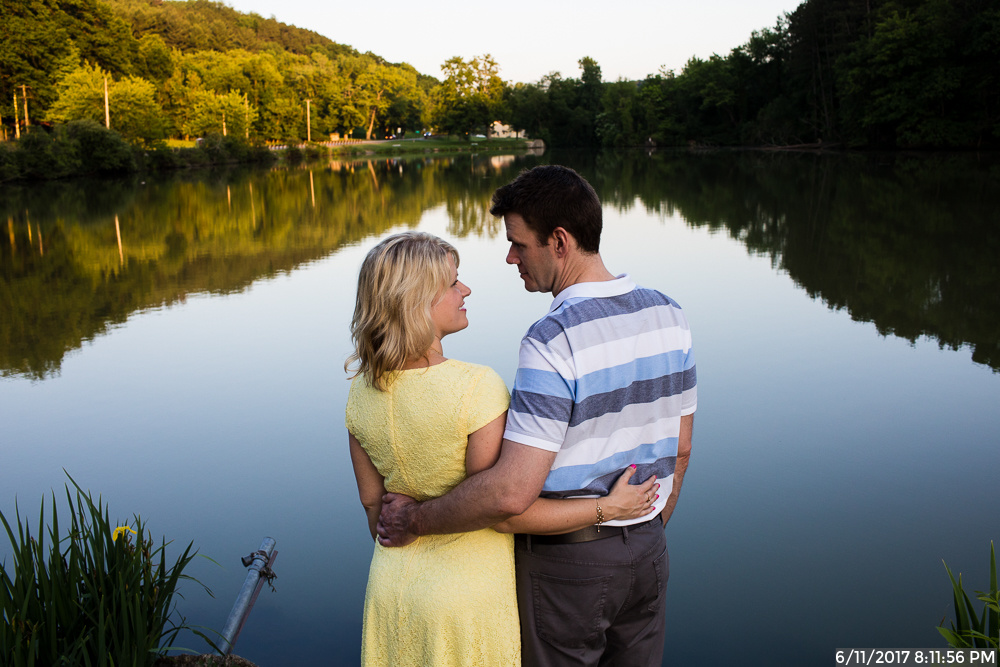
[970, 630]
[96, 594]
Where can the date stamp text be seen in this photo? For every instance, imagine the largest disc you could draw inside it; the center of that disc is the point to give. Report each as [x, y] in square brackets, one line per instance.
[917, 656]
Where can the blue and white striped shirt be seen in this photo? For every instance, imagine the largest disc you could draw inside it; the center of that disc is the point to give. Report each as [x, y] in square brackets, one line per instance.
[603, 380]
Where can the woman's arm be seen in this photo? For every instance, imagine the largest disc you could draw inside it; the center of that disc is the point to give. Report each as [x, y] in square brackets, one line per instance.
[371, 484]
[483, 450]
[552, 517]
[547, 516]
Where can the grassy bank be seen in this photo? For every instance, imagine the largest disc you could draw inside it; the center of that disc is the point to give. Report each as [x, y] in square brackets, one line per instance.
[399, 147]
[445, 144]
[85, 148]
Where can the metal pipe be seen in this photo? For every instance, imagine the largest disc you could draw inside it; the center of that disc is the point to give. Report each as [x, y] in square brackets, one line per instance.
[259, 564]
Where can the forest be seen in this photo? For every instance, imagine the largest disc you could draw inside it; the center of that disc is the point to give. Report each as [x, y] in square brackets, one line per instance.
[863, 74]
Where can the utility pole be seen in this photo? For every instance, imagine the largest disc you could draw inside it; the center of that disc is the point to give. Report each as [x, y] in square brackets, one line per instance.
[107, 112]
[308, 123]
[24, 94]
[17, 123]
[246, 107]
[224, 124]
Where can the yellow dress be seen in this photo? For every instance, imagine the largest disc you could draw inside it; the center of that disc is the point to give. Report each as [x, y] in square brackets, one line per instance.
[444, 599]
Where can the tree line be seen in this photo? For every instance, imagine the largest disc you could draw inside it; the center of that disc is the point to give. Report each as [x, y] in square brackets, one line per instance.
[187, 69]
[854, 73]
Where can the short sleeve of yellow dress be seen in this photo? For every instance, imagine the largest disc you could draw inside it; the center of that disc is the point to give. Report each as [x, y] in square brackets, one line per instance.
[444, 599]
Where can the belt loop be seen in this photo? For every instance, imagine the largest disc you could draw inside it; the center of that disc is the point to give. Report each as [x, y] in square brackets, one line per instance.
[625, 533]
[527, 543]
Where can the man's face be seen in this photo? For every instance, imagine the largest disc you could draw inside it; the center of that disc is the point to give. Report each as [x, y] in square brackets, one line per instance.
[536, 263]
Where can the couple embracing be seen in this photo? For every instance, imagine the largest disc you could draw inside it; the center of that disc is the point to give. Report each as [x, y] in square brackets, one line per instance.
[521, 529]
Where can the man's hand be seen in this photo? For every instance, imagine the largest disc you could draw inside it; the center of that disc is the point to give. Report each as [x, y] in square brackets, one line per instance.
[394, 522]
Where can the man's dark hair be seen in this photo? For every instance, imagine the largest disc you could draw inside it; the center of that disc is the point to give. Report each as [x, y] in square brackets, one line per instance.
[551, 196]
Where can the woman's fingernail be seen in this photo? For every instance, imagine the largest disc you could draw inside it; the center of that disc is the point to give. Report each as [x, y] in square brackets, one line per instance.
[632, 466]
[657, 497]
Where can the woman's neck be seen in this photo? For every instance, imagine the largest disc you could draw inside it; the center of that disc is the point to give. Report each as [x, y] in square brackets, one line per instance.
[432, 357]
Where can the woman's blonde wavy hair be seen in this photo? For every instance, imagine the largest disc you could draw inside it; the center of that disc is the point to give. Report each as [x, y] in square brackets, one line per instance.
[399, 281]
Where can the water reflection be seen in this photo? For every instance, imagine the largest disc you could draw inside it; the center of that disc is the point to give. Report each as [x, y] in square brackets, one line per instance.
[114, 247]
[908, 243]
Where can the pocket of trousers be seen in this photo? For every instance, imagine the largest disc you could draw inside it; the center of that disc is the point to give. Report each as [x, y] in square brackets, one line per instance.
[661, 568]
[569, 612]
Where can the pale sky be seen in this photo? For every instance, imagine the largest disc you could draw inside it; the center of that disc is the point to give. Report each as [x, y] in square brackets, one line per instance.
[529, 39]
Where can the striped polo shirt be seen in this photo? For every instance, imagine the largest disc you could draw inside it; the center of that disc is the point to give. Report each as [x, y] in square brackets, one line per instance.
[603, 380]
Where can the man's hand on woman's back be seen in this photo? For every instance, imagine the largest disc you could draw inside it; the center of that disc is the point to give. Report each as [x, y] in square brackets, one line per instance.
[394, 521]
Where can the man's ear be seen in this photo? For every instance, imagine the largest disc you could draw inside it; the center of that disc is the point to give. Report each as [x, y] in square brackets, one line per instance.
[562, 241]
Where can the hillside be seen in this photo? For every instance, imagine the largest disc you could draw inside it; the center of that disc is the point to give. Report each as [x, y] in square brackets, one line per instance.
[202, 25]
[187, 69]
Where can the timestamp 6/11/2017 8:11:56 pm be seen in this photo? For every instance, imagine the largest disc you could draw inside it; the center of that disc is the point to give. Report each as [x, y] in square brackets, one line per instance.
[902, 657]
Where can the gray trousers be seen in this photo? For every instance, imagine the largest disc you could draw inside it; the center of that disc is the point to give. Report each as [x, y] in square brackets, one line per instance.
[593, 603]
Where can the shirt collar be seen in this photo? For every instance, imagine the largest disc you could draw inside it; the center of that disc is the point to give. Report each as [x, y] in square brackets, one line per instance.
[620, 285]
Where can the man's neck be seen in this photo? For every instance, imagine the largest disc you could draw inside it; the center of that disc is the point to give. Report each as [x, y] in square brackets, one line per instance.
[581, 268]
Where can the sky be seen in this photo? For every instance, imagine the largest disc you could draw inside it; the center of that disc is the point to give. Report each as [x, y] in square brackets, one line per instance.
[531, 38]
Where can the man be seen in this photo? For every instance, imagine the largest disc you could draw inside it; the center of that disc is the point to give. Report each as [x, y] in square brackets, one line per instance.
[604, 380]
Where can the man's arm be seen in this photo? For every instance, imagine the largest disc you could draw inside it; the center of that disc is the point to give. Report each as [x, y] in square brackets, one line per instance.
[683, 457]
[553, 517]
[480, 501]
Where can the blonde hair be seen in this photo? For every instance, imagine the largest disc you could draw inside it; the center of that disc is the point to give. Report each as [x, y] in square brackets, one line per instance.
[399, 281]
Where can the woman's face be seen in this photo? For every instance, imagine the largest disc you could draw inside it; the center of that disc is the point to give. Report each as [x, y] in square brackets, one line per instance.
[448, 313]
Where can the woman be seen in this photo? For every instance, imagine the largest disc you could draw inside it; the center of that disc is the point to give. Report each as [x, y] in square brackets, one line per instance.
[418, 424]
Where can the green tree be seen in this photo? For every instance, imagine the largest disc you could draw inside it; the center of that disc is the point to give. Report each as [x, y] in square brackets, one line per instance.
[471, 95]
[659, 115]
[379, 86]
[527, 105]
[912, 82]
[32, 44]
[39, 34]
[155, 61]
[615, 125]
[406, 109]
[135, 113]
[568, 113]
[348, 105]
[263, 74]
[133, 109]
[100, 150]
[770, 107]
[214, 113]
[103, 37]
[589, 98]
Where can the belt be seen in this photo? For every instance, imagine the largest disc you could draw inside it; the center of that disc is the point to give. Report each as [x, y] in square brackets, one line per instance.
[588, 534]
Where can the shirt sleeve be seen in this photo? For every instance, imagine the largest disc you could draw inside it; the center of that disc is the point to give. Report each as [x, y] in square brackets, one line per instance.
[488, 399]
[689, 390]
[542, 402]
[351, 409]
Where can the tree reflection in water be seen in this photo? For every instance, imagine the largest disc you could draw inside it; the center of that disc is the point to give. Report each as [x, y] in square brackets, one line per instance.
[906, 242]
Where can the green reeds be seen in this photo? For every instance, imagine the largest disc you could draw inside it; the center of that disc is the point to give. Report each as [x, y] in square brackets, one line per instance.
[970, 630]
[92, 595]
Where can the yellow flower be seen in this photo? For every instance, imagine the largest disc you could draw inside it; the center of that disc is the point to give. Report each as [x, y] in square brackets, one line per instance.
[120, 530]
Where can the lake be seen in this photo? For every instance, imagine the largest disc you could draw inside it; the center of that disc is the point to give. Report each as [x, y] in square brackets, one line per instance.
[176, 343]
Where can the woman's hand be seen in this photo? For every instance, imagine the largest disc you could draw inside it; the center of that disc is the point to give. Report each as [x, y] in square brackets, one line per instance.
[629, 501]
